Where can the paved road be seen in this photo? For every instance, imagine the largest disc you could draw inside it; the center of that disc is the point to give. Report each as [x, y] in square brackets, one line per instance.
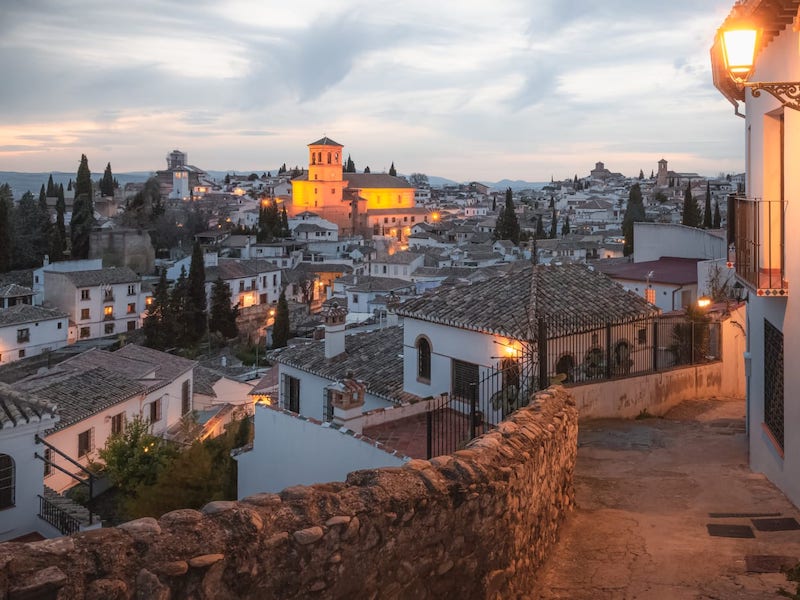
[644, 491]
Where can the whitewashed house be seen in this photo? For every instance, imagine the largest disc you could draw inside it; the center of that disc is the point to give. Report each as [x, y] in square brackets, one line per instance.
[97, 392]
[27, 330]
[89, 264]
[765, 256]
[99, 302]
[251, 281]
[22, 418]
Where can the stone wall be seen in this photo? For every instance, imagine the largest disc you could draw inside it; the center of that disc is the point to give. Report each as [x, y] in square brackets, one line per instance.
[476, 524]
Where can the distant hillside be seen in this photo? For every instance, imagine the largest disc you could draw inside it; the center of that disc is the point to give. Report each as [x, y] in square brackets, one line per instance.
[23, 182]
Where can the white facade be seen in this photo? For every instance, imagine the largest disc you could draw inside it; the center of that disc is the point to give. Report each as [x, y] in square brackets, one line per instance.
[288, 451]
[25, 338]
[63, 266]
[18, 443]
[656, 240]
[772, 140]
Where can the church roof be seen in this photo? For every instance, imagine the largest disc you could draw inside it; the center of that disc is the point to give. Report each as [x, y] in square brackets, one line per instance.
[375, 180]
[325, 141]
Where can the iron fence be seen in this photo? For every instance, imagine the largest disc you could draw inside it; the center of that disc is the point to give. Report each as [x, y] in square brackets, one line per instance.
[58, 517]
[573, 351]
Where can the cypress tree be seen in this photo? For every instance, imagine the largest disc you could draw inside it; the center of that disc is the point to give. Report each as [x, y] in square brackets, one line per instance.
[196, 294]
[6, 227]
[107, 182]
[285, 231]
[565, 227]
[158, 325]
[58, 243]
[280, 329]
[80, 227]
[634, 212]
[540, 233]
[222, 316]
[392, 170]
[51, 188]
[691, 212]
[366, 170]
[177, 310]
[554, 225]
[707, 218]
[717, 216]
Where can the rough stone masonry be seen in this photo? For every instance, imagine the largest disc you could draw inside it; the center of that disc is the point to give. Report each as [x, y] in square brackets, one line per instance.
[476, 524]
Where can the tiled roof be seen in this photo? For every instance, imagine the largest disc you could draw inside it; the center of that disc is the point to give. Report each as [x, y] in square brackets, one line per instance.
[236, 268]
[325, 141]
[378, 284]
[508, 305]
[168, 366]
[109, 276]
[374, 357]
[671, 270]
[374, 180]
[79, 395]
[27, 313]
[18, 409]
[13, 290]
[204, 380]
[111, 361]
[399, 258]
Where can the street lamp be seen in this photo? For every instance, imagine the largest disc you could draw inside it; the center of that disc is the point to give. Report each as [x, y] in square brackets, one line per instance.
[704, 302]
[739, 44]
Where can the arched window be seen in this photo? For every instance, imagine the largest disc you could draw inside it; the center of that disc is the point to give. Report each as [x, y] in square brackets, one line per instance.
[423, 359]
[329, 158]
[6, 481]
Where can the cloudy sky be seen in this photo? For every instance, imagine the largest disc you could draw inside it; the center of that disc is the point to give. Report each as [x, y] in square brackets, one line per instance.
[520, 89]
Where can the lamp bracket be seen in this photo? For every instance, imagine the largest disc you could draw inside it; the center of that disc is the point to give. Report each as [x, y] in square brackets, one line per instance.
[787, 92]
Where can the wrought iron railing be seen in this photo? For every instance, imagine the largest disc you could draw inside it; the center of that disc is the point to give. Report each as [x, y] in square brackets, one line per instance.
[57, 517]
[756, 238]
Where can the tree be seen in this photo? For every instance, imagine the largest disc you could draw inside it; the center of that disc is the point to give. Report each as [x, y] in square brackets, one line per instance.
[51, 187]
[280, 329]
[222, 316]
[145, 207]
[507, 226]
[392, 170]
[285, 231]
[269, 221]
[634, 213]
[107, 182]
[177, 309]
[565, 227]
[227, 179]
[554, 225]
[80, 227]
[641, 174]
[691, 212]
[58, 234]
[6, 227]
[540, 233]
[707, 218]
[31, 232]
[418, 180]
[158, 325]
[366, 170]
[349, 165]
[717, 216]
[135, 457]
[196, 295]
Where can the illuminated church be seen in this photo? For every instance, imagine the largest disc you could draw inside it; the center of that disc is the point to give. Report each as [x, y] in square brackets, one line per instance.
[359, 203]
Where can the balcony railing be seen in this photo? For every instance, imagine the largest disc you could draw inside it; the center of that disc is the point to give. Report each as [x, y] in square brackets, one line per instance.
[58, 517]
[756, 239]
[108, 297]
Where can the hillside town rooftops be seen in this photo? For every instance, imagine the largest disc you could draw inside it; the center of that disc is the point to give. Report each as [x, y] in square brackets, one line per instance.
[27, 313]
[94, 277]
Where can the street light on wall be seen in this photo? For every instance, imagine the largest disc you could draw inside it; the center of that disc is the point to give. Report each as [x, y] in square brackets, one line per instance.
[739, 44]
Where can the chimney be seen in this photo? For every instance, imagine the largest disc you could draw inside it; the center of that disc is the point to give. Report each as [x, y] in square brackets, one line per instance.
[392, 303]
[347, 398]
[334, 317]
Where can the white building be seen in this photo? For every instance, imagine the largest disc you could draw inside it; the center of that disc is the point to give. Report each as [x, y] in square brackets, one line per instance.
[766, 258]
[252, 281]
[22, 417]
[27, 330]
[89, 264]
[99, 302]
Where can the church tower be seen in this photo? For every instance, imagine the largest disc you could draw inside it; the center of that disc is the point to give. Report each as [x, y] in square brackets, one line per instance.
[325, 160]
[661, 177]
[322, 189]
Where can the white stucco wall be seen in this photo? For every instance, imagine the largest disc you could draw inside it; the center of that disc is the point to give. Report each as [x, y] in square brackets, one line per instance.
[44, 335]
[656, 240]
[291, 451]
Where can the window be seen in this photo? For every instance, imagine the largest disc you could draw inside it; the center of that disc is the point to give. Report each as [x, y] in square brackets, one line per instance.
[148, 301]
[424, 359]
[355, 298]
[85, 333]
[85, 442]
[385, 220]
[131, 325]
[108, 312]
[60, 325]
[85, 295]
[48, 456]
[773, 382]
[6, 481]
[108, 329]
[241, 285]
[118, 423]
[131, 307]
[132, 289]
[154, 411]
[84, 314]
[465, 381]
[22, 353]
[275, 279]
[23, 335]
[333, 191]
[291, 393]
[186, 398]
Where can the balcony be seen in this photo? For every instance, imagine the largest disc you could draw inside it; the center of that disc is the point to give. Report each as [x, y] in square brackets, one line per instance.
[757, 244]
[108, 297]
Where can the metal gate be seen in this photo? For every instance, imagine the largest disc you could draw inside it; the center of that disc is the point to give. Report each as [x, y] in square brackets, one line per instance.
[481, 398]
